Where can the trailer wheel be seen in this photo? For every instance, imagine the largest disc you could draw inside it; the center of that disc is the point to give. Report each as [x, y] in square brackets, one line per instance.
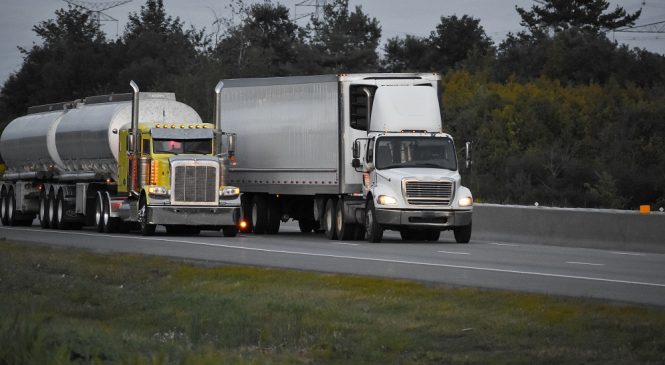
[99, 212]
[60, 211]
[274, 215]
[329, 221]
[3, 207]
[259, 214]
[146, 229]
[43, 210]
[52, 220]
[462, 234]
[11, 208]
[230, 231]
[374, 229]
[344, 231]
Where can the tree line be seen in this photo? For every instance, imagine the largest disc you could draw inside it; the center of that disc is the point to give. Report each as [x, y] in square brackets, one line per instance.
[558, 113]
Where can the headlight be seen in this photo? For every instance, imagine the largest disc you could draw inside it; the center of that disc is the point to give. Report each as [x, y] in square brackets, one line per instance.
[158, 190]
[387, 200]
[229, 191]
[466, 201]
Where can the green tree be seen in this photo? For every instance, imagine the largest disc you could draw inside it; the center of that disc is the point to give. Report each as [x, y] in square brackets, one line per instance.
[589, 15]
[155, 46]
[345, 41]
[72, 61]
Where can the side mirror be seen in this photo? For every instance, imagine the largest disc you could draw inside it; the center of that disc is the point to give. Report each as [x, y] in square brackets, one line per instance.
[232, 144]
[356, 149]
[467, 152]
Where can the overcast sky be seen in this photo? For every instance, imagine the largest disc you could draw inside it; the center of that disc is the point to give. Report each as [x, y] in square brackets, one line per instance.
[397, 18]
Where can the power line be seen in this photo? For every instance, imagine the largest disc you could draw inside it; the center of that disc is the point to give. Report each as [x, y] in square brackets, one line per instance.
[96, 9]
[316, 4]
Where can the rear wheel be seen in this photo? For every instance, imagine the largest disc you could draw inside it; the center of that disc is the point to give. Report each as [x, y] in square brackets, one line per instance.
[274, 215]
[11, 208]
[259, 214]
[373, 228]
[329, 221]
[43, 210]
[99, 212]
[60, 210]
[344, 231]
[462, 234]
[52, 204]
[3, 208]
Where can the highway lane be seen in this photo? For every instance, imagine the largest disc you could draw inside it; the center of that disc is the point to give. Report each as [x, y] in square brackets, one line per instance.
[606, 274]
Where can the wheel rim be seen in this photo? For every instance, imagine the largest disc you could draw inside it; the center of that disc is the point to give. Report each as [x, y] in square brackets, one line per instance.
[98, 212]
[10, 206]
[370, 220]
[339, 221]
[60, 209]
[107, 211]
[255, 213]
[42, 209]
[3, 207]
[328, 220]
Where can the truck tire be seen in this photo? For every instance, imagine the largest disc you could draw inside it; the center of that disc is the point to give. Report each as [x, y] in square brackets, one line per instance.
[3, 207]
[274, 214]
[329, 221]
[374, 229]
[344, 231]
[99, 212]
[11, 209]
[60, 209]
[145, 228]
[230, 231]
[52, 220]
[43, 210]
[462, 234]
[110, 224]
[259, 214]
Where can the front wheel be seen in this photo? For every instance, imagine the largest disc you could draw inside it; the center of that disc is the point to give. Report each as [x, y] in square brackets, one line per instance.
[146, 228]
[462, 234]
[372, 227]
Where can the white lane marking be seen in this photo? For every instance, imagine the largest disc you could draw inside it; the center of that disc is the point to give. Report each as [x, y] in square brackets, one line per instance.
[503, 244]
[344, 243]
[627, 253]
[489, 269]
[455, 253]
[583, 263]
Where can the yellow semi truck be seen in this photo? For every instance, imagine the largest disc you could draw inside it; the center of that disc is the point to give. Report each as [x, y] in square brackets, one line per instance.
[118, 162]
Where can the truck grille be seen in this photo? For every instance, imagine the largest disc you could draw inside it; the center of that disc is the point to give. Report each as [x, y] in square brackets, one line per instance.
[428, 192]
[195, 184]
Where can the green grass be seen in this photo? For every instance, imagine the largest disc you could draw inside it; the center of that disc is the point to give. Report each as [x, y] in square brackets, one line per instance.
[62, 306]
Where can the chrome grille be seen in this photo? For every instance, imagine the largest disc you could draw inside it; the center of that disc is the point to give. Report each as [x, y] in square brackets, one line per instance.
[429, 192]
[195, 184]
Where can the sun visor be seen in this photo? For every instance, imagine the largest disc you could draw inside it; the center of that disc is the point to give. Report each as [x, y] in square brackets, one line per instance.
[169, 133]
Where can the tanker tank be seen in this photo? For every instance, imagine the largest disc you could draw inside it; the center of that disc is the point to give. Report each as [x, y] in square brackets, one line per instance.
[82, 137]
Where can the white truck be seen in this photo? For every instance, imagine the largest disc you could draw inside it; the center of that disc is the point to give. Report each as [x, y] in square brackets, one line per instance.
[118, 162]
[350, 154]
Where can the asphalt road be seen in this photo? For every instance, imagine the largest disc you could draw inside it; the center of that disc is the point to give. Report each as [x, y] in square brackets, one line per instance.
[635, 277]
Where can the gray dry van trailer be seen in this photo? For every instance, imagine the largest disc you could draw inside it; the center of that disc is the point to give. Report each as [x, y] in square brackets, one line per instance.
[349, 154]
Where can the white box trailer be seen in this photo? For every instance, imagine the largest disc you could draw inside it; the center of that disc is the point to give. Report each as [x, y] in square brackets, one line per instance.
[306, 151]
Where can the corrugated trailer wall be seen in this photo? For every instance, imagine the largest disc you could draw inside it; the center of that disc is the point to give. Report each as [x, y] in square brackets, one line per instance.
[288, 139]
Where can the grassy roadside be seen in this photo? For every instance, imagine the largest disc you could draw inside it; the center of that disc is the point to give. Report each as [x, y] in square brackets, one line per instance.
[71, 306]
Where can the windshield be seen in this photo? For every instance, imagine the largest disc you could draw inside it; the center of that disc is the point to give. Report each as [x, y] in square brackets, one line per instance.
[398, 152]
[178, 146]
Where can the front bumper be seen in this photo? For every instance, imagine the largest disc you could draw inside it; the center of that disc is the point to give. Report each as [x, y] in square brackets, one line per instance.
[194, 216]
[424, 218]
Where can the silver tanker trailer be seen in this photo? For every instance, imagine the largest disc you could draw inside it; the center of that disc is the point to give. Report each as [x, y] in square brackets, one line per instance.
[118, 162]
